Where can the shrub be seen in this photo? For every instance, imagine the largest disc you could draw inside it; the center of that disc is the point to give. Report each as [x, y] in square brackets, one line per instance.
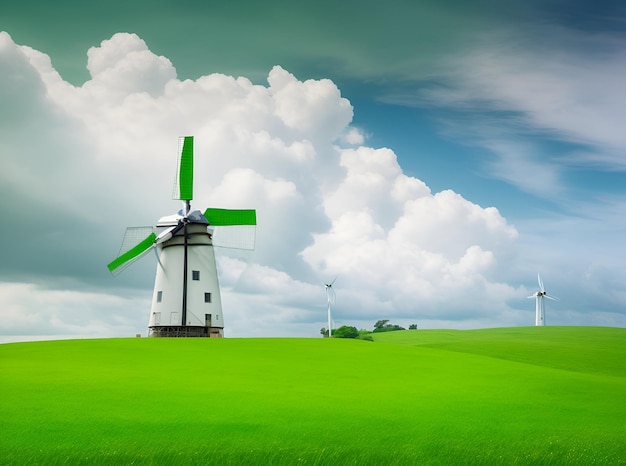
[345, 331]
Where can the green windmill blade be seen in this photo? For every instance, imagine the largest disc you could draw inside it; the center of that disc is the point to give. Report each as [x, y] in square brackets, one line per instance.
[183, 188]
[230, 217]
[132, 254]
[234, 228]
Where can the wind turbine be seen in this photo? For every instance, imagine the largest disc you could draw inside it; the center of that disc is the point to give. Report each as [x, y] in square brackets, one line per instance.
[540, 309]
[186, 299]
[330, 299]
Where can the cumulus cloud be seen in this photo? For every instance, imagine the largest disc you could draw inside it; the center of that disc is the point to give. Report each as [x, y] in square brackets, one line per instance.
[124, 65]
[102, 157]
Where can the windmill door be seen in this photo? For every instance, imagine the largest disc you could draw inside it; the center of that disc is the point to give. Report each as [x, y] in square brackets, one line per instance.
[207, 318]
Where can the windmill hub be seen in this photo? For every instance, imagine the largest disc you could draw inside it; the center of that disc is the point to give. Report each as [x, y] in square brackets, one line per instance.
[194, 216]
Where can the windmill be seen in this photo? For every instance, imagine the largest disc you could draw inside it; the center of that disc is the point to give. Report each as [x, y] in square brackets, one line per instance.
[186, 299]
[330, 299]
[540, 309]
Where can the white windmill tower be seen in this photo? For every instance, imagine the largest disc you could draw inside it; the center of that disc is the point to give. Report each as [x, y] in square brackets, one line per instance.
[330, 299]
[540, 309]
[186, 299]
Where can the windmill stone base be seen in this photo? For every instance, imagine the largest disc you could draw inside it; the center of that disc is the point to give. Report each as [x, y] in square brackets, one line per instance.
[183, 332]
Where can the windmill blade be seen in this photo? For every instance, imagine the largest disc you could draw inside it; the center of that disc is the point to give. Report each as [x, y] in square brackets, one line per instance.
[235, 237]
[235, 228]
[131, 255]
[540, 283]
[133, 236]
[553, 298]
[168, 233]
[183, 188]
[158, 258]
[230, 217]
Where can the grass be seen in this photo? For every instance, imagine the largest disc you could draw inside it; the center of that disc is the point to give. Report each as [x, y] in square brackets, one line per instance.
[552, 395]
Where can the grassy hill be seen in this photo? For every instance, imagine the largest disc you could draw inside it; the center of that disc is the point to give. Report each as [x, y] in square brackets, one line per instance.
[551, 395]
[598, 350]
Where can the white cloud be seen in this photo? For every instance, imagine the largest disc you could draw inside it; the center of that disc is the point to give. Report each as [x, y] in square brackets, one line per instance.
[541, 108]
[31, 309]
[577, 97]
[104, 158]
[123, 65]
[354, 136]
[521, 164]
[314, 108]
[570, 89]
[391, 236]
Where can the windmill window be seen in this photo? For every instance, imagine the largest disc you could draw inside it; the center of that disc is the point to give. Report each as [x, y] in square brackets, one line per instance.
[159, 296]
[195, 274]
[207, 297]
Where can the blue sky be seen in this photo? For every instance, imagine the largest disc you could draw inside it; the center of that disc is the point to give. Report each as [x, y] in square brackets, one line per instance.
[458, 110]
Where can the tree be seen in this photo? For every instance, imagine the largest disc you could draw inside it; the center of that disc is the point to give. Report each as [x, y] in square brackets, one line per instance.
[324, 332]
[413, 327]
[381, 323]
[345, 331]
[383, 326]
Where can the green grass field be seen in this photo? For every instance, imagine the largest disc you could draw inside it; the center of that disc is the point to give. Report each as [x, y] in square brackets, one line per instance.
[537, 395]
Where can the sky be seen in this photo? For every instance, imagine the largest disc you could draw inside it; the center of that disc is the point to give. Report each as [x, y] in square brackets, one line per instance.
[433, 157]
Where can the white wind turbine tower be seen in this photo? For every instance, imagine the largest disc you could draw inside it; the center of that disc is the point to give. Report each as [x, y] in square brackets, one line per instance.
[540, 309]
[330, 299]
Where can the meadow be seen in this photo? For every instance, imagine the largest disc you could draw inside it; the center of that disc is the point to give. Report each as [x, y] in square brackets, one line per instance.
[532, 395]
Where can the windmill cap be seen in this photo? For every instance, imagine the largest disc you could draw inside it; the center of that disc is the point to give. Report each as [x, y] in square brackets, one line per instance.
[194, 216]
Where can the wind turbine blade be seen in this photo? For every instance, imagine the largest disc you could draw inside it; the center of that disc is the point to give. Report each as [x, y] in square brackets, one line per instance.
[553, 298]
[133, 253]
[540, 283]
[183, 188]
[331, 283]
[331, 294]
